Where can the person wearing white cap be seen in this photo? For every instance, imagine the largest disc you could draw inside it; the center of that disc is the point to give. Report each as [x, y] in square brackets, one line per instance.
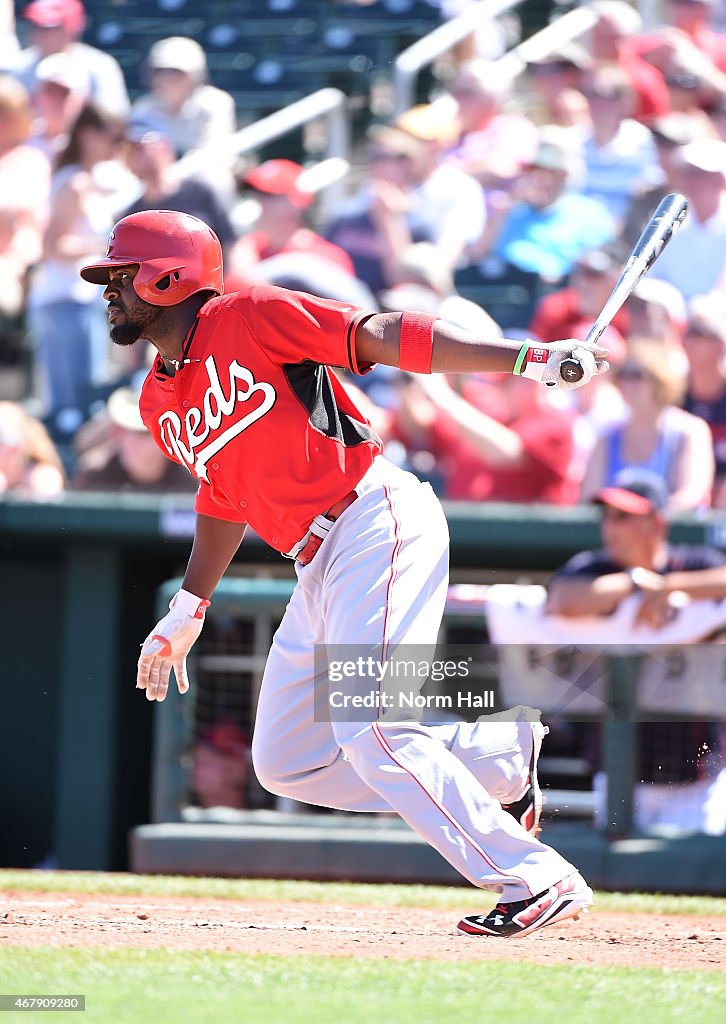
[62, 87]
[124, 456]
[56, 26]
[695, 259]
[193, 114]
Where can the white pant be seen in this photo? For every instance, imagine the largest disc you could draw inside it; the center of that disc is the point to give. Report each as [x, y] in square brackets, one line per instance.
[380, 577]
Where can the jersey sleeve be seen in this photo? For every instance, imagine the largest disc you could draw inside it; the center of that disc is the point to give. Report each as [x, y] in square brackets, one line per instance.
[206, 505]
[293, 327]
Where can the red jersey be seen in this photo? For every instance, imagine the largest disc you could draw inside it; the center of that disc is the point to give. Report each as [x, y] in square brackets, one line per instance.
[257, 416]
[548, 473]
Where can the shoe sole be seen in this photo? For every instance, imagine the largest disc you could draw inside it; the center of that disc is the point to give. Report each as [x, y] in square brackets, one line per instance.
[566, 907]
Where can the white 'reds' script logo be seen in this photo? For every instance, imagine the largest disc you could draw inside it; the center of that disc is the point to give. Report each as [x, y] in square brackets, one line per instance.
[216, 406]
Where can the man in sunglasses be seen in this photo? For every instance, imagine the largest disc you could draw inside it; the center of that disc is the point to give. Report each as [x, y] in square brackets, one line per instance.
[636, 558]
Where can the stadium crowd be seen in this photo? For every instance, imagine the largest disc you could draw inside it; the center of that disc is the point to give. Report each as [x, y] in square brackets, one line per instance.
[505, 204]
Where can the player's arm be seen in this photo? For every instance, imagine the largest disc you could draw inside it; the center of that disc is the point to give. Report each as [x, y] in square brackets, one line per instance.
[169, 643]
[215, 544]
[423, 344]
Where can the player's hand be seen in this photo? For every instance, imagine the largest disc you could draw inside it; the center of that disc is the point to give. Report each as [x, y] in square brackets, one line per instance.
[168, 645]
[542, 362]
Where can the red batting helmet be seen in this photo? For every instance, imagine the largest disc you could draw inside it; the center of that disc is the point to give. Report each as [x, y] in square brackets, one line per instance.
[177, 256]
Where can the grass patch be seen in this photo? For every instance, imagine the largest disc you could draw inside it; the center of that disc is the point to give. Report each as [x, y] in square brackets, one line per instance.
[130, 986]
[454, 898]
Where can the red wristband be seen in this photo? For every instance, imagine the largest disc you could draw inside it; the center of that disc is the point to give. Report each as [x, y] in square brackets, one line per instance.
[416, 347]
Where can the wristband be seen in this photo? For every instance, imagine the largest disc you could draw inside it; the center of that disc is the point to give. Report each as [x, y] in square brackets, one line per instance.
[189, 604]
[531, 361]
[416, 345]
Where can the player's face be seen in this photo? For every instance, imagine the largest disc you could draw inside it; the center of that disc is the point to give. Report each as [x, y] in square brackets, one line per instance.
[129, 316]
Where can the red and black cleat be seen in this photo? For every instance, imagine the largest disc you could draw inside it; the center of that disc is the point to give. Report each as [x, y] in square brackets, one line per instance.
[562, 901]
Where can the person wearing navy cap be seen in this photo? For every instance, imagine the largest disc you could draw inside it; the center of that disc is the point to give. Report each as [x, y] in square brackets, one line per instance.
[636, 557]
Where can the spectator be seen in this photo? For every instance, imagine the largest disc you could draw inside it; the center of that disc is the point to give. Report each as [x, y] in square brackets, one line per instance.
[540, 230]
[695, 259]
[656, 310]
[637, 563]
[619, 153]
[692, 94]
[66, 315]
[610, 43]
[56, 26]
[25, 173]
[592, 278]
[150, 157]
[446, 199]
[124, 456]
[194, 114]
[636, 558]
[61, 90]
[687, 29]
[378, 223]
[493, 145]
[657, 436]
[704, 341]
[505, 445]
[670, 133]
[556, 80]
[280, 226]
[220, 767]
[29, 464]
[574, 309]
[427, 286]
[24, 189]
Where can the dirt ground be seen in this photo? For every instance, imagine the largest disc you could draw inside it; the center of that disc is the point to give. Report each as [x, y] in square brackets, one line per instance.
[634, 940]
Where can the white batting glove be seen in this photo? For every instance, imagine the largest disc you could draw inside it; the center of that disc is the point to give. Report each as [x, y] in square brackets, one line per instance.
[168, 645]
[542, 362]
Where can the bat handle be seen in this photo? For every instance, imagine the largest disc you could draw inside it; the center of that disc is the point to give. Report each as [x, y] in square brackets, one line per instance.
[571, 370]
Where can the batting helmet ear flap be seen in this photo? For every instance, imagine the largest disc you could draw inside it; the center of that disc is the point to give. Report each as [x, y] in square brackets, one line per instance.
[166, 281]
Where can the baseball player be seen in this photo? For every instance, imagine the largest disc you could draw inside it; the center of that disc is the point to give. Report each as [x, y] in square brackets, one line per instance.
[241, 394]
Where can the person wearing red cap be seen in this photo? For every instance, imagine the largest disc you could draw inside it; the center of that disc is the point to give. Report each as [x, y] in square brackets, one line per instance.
[280, 226]
[636, 558]
[56, 26]
[636, 561]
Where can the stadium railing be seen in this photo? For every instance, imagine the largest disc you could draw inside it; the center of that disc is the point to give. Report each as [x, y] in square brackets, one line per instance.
[412, 61]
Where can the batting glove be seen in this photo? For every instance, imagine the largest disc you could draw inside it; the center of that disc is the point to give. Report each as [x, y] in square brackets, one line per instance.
[542, 363]
[168, 645]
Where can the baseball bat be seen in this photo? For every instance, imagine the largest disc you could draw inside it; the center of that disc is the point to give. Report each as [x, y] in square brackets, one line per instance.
[657, 233]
